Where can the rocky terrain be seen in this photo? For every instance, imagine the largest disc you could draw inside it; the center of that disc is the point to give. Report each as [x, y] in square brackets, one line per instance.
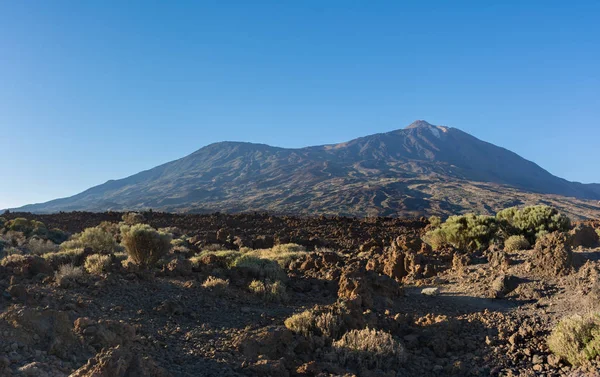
[420, 170]
[330, 296]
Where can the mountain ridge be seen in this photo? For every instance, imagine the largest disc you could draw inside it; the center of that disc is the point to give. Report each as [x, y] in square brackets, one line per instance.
[379, 174]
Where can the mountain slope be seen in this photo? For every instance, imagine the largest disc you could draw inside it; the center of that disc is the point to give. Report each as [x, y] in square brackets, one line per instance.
[421, 169]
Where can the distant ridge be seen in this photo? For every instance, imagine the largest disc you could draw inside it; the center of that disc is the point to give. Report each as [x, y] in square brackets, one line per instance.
[419, 170]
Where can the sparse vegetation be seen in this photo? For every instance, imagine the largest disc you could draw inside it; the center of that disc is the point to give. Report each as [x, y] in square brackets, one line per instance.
[576, 339]
[144, 244]
[516, 243]
[269, 291]
[215, 283]
[435, 221]
[369, 349]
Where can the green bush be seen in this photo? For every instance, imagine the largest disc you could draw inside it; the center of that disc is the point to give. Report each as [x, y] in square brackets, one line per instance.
[516, 243]
[468, 232]
[533, 221]
[99, 240]
[2, 222]
[144, 244]
[576, 339]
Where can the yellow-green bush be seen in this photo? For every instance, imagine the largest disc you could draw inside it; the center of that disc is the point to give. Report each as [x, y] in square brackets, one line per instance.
[576, 339]
[467, 232]
[533, 220]
[369, 349]
[516, 243]
[97, 239]
[144, 244]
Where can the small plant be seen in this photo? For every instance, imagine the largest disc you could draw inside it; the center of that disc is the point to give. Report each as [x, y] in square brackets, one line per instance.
[576, 339]
[68, 273]
[516, 243]
[369, 349]
[144, 244]
[96, 264]
[215, 283]
[269, 291]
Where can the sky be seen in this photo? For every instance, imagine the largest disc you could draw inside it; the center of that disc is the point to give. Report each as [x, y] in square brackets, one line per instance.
[98, 90]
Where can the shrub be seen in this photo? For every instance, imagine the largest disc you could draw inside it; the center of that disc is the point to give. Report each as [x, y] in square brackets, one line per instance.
[533, 220]
[435, 221]
[57, 236]
[576, 339]
[97, 239]
[19, 224]
[97, 264]
[68, 256]
[284, 254]
[2, 222]
[269, 291]
[132, 218]
[311, 322]
[68, 273]
[228, 256]
[260, 268]
[468, 232]
[598, 231]
[39, 246]
[369, 349]
[212, 282]
[516, 243]
[144, 244]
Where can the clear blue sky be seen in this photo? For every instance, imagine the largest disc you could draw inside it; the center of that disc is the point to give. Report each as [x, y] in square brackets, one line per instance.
[97, 90]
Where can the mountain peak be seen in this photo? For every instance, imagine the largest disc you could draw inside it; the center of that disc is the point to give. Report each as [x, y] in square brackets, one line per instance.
[419, 124]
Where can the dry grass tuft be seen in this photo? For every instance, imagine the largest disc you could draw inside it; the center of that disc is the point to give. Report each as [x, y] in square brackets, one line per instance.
[215, 283]
[97, 264]
[68, 273]
[272, 292]
[516, 243]
[369, 349]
